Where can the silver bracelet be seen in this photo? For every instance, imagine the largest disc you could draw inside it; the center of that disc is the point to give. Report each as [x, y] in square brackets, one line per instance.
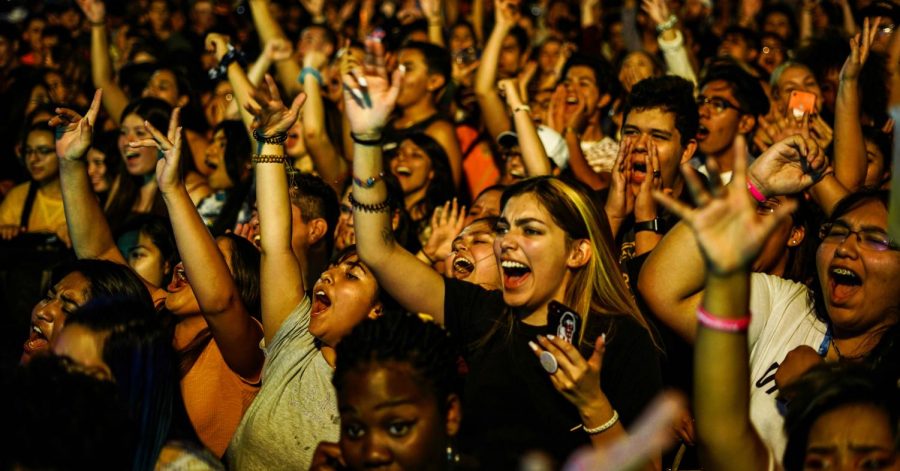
[667, 25]
[602, 428]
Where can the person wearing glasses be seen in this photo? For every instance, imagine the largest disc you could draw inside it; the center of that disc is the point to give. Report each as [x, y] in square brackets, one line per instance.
[850, 314]
[730, 102]
[36, 205]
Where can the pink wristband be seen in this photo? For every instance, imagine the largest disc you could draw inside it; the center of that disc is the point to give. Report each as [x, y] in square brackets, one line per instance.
[723, 325]
[755, 193]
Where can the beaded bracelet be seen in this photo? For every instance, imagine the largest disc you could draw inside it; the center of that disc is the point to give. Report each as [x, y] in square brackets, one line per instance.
[667, 25]
[604, 427]
[268, 158]
[233, 55]
[384, 206]
[367, 142]
[368, 182]
[278, 138]
[721, 324]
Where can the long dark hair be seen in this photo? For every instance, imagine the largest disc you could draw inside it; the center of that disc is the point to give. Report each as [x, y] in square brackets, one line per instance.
[441, 188]
[138, 350]
[236, 158]
[107, 279]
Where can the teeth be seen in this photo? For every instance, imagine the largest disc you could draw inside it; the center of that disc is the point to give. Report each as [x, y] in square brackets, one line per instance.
[37, 329]
[512, 264]
[843, 272]
[320, 293]
[463, 265]
[404, 170]
[571, 99]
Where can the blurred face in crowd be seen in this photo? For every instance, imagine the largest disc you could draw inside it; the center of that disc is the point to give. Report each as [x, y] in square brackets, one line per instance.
[344, 295]
[720, 119]
[221, 104]
[96, 162]
[549, 55]
[40, 156]
[778, 23]
[796, 78]
[852, 437]
[344, 231]
[487, 204]
[164, 85]
[7, 52]
[581, 83]
[202, 16]
[511, 58]
[540, 105]
[39, 96]
[771, 53]
[636, 67]
[295, 145]
[472, 256]
[461, 38]
[412, 167]
[514, 166]
[658, 126]
[34, 33]
[314, 38]
[144, 257]
[215, 159]
[159, 15]
[776, 251]
[138, 160]
[391, 419]
[859, 279]
[57, 87]
[418, 83]
[49, 315]
[735, 45]
[876, 173]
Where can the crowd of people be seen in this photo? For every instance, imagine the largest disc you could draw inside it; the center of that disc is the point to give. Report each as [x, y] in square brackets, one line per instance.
[441, 234]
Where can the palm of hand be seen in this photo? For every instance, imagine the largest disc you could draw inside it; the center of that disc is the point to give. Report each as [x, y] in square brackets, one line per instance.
[784, 172]
[730, 232]
[167, 171]
[71, 145]
[364, 119]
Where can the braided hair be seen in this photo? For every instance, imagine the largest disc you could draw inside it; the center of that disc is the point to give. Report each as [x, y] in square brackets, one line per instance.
[402, 338]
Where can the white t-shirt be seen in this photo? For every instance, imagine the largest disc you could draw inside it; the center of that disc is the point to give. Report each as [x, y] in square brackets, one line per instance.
[783, 319]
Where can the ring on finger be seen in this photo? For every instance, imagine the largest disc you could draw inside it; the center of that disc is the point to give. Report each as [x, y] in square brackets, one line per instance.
[657, 174]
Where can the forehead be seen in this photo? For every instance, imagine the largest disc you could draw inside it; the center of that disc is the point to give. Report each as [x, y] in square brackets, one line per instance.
[652, 118]
[718, 88]
[381, 382]
[40, 136]
[161, 75]
[868, 213]
[636, 58]
[76, 282]
[579, 72]
[796, 73]
[525, 205]
[411, 55]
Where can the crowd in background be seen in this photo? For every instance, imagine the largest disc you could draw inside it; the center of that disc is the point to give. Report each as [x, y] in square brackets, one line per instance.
[441, 234]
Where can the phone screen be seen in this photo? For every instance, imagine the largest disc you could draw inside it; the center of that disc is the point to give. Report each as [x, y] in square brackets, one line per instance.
[566, 321]
[802, 103]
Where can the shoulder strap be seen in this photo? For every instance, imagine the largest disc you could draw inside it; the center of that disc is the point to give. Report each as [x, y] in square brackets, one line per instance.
[29, 204]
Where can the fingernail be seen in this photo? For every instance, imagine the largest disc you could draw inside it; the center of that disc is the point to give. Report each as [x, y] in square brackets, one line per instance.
[533, 346]
[551, 337]
[603, 336]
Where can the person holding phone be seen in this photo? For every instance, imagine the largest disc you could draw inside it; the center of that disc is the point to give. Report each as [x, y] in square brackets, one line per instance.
[551, 244]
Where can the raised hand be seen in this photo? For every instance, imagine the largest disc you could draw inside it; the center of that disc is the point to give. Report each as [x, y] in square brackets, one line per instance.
[314, 7]
[657, 10]
[576, 378]
[270, 115]
[218, 45]
[168, 167]
[789, 166]
[74, 132]
[510, 90]
[94, 10]
[860, 46]
[278, 49]
[506, 13]
[726, 223]
[446, 223]
[620, 200]
[644, 204]
[315, 59]
[369, 98]
[431, 9]
[556, 112]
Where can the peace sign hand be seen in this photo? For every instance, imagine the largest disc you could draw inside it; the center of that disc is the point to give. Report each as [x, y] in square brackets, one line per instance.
[168, 167]
[73, 133]
[270, 115]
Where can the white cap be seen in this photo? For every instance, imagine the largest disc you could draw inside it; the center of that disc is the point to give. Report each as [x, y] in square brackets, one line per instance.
[554, 144]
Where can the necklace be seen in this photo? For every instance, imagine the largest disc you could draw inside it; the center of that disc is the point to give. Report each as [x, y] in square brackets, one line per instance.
[841, 357]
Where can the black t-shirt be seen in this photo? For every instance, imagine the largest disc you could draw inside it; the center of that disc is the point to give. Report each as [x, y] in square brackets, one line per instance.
[510, 406]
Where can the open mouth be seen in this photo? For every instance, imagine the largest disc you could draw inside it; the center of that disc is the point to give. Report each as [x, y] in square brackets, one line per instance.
[702, 133]
[132, 156]
[638, 172]
[321, 302]
[403, 171]
[209, 163]
[572, 99]
[514, 273]
[844, 283]
[462, 267]
[179, 279]
[37, 340]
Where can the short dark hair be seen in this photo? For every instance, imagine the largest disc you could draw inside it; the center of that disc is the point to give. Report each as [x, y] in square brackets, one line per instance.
[746, 88]
[748, 35]
[316, 200]
[437, 60]
[671, 94]
[521, 36]
[603, 72]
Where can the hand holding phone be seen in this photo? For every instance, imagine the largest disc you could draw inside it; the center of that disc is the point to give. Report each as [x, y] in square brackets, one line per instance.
[801, 103]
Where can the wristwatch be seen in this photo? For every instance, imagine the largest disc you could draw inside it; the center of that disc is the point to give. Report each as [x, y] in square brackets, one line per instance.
[655, 225]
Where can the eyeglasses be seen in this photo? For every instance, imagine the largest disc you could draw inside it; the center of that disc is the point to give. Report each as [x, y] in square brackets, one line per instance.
[719, 105]
[41, 151]
[869, 239]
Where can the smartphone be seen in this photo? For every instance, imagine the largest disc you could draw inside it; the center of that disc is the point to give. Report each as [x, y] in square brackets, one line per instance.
[802, 103]
[565, 320]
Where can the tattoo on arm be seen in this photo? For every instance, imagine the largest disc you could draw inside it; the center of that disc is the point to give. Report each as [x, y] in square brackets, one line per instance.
[387, 236]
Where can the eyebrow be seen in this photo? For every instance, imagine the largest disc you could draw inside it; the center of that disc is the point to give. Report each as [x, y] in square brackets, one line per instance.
[356, 264]
[395, 403]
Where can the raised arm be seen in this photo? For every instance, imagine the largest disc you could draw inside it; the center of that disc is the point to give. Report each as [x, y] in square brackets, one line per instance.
[492, 109]
[849, 147]
[731, 234]
[571, 127]
[88, 228]
[281, 279]
[114, 99]
[368, 101]
[672, 278]
[238, 79]
[670, 39]
[231, 325]
[269, 29]
[534, 155]
[432, 9]
[331, 167]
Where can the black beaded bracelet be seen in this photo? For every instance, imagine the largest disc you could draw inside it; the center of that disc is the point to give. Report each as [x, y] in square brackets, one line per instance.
[382, 207]
[221, 71]
[278, 138]
[367, 142]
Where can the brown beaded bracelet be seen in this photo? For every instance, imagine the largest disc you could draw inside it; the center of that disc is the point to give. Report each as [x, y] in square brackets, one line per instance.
[371, 208]
[268, 159]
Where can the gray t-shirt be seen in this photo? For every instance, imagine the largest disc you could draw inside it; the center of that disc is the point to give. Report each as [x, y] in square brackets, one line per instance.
[296, 406]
